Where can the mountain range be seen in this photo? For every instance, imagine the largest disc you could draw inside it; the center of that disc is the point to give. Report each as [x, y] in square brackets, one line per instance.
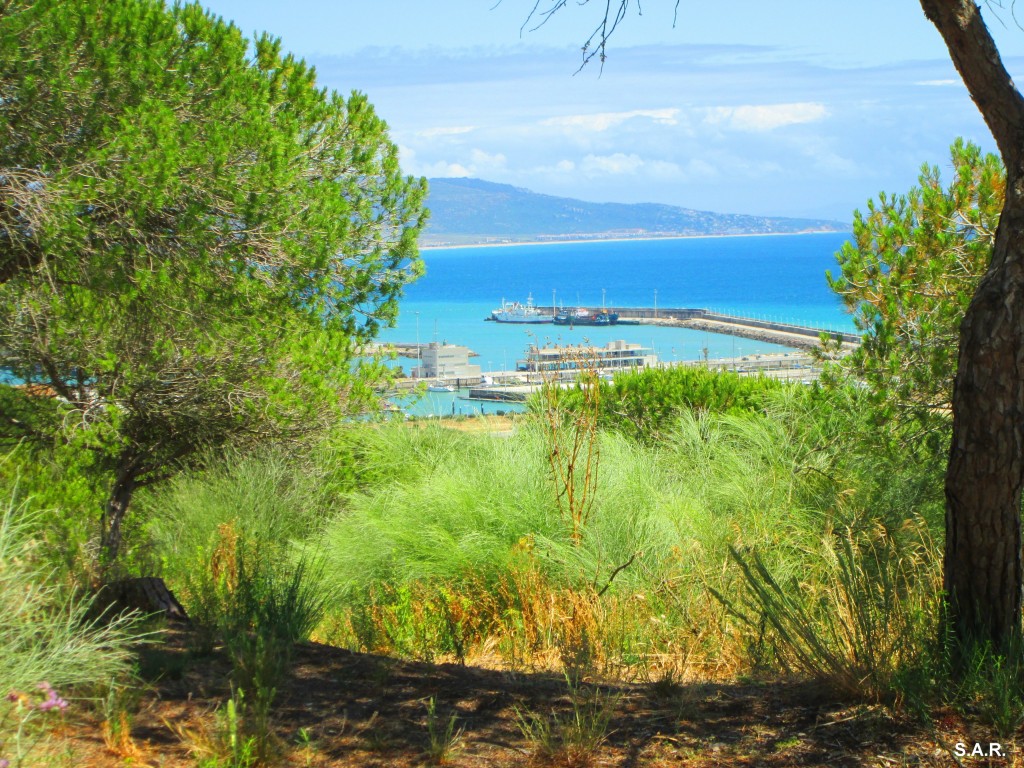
[466, 211]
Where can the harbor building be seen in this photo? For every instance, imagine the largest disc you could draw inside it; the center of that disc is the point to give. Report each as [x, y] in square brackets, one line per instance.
[446, 361]
[613, 356]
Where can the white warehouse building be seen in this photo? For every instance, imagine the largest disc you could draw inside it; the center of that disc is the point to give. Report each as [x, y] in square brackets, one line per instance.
[445, 361]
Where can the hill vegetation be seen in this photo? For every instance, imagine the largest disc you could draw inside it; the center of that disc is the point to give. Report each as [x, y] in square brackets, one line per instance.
[741, 529]
[475, 211]
[675, 567]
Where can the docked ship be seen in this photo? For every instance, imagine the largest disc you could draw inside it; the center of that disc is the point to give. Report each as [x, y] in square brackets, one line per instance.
[581, 316]
[516, 312]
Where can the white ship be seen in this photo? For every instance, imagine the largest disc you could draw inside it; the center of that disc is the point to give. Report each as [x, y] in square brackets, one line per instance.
[519, 313]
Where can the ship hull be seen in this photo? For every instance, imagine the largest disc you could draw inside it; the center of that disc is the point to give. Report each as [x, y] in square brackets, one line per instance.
[586, 318]
[520, 319]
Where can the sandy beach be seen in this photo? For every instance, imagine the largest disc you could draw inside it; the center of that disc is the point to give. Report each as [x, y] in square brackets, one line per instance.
[425, 247]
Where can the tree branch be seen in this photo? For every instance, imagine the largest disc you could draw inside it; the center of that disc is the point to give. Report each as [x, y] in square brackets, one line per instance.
[977, 59]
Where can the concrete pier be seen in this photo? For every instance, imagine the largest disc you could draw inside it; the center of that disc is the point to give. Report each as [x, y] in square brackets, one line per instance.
[771, 331]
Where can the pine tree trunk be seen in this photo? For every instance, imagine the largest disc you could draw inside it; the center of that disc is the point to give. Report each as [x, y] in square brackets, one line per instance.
[115, 510]
[982, 567]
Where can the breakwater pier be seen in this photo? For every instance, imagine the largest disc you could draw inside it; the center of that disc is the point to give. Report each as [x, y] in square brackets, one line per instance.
[759, 329]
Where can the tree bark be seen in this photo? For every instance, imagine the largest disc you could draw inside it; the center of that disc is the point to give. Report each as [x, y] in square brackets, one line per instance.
[117, 507]
[982, 567]
[146, 595]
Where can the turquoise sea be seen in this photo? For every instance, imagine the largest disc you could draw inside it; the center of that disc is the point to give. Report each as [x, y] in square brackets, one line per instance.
[769, 276]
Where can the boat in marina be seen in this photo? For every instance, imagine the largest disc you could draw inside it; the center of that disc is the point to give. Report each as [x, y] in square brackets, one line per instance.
[582, 316]
[440, 386]
[516, 312]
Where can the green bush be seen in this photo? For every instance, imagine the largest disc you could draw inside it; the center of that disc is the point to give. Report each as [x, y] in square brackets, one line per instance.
[644, 404]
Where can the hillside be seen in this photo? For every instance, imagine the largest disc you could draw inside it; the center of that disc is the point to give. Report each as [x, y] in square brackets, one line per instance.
[472, 210]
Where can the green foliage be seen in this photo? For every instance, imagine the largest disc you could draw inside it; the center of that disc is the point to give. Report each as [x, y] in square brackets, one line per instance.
[244, 583]
[644, 404]
[224, 537]
[59, 484]
[247, 594]
[991, 685]
[444, 737]
[22, 729]
[226, 744]
[194, 251]
[909, 276]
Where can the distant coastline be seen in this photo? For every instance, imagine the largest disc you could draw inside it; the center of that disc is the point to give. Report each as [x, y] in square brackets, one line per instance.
[578, 241]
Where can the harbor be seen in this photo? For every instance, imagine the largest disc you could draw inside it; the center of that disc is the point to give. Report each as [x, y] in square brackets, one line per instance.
[456, 377]
[770, 330]
[513, 388]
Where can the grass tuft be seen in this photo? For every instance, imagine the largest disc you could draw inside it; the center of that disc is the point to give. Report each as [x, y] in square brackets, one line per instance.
[571, 739]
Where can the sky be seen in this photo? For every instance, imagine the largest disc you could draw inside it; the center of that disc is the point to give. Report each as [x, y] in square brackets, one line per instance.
[799, 108]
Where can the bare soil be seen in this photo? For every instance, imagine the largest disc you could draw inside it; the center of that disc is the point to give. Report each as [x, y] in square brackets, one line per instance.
[343, 709]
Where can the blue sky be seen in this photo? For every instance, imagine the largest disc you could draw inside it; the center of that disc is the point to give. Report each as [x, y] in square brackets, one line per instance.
[796, 108]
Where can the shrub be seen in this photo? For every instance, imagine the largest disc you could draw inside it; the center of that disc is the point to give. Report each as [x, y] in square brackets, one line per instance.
[644, 404]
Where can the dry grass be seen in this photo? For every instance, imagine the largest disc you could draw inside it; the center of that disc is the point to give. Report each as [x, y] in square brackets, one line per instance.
[474, 425]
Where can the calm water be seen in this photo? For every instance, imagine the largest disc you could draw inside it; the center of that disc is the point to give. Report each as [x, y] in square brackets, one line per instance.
[777, 276]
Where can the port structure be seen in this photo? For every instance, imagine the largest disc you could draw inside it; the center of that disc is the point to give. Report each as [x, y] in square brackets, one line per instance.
[790, 334]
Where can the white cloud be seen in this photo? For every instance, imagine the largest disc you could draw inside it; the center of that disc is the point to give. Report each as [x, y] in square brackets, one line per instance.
[832, 162]
[663, 169]
[939, 82]
[406, 154]
[697, 169]
[484, 160]
[765, 117]
[618, 164]
[602, 121]
[560, 168]
[453, 130]
[440, 169]
[479, 164]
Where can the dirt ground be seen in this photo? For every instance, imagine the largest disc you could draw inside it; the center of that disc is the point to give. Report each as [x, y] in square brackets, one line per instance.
[344, 709]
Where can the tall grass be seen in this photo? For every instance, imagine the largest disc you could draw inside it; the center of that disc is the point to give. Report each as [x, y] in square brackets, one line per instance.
[275, 497]
[863, 621]
[45, 632]
[463, 551]
[440, 544]
[228, 536]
